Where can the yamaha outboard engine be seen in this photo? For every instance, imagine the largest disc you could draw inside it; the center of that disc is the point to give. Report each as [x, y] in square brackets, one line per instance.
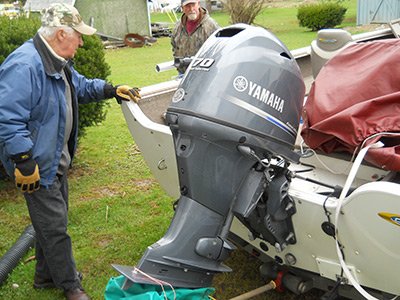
[237, 107]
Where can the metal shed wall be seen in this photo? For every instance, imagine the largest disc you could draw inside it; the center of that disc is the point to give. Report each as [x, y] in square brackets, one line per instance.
[377, 11]
[116, 17]
[38, 5]
[111, 17]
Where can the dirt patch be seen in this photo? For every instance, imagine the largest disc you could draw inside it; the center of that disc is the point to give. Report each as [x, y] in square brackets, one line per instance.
[103, 191]
[79, 170]
[365, 28]
[133, 150]
[104, 243]
[108, 192]
[144, 184]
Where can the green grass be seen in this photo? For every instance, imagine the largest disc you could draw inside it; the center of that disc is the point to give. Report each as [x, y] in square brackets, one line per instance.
[137, 66]
[117, 208]
[282, 21]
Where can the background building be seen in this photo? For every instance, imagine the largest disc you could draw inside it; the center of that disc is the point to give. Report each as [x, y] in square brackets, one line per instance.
[377, 11]
[114, 18]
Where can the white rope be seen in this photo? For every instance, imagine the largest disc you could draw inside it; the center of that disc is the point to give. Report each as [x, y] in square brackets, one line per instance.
[158, 281]
[302, 151]
[346, 187]
[328, 168]
[343, 194]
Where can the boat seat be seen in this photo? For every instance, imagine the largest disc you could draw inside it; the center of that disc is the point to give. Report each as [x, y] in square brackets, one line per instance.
[326, 45]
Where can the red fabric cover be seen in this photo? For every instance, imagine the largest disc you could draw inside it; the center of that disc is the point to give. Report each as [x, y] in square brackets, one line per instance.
[355, 95]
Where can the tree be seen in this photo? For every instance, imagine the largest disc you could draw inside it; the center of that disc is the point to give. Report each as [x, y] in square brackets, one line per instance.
[243, 11]
[208, 5]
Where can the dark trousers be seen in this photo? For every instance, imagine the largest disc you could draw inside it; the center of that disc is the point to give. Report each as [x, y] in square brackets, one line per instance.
[48, 209]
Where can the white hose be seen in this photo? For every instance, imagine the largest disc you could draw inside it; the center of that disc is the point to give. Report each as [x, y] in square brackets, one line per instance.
[269, 286]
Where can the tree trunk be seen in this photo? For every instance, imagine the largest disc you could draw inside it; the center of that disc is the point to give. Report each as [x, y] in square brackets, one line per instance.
[208, 5]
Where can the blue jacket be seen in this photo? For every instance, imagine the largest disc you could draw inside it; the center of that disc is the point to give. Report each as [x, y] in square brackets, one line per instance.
[33, 107]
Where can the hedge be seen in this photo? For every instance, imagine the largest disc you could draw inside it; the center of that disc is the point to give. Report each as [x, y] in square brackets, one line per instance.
[321, 15]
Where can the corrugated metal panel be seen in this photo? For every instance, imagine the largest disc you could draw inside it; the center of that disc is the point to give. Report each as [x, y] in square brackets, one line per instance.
[116, 17]
[377, 11]
[111, 17]
[38, 5]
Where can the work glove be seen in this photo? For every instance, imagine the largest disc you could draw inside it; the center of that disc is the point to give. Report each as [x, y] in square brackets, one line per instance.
[122, 93]
[127, 93]
[26, 173]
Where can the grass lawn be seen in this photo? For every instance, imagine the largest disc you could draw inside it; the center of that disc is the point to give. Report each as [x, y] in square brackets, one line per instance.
[117, 208]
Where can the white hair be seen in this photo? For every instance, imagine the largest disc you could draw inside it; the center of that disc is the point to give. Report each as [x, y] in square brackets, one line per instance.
[49, 32]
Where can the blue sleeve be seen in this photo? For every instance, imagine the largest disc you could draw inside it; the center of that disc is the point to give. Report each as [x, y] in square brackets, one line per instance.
[88, 90]
[16, 101]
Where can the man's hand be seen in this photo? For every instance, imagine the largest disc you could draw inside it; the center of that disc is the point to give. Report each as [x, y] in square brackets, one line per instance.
[127, 93]
[26, 173]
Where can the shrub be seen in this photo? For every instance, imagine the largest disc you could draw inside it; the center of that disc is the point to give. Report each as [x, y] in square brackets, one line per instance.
[14, 32]
[321, 15]
[90, 62]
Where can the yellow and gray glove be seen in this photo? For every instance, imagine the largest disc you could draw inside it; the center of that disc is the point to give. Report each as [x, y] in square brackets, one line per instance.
[27, 178]
[122, 93]
[127, 93]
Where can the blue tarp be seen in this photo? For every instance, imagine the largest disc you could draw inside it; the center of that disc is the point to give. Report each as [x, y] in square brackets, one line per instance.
[139, 291]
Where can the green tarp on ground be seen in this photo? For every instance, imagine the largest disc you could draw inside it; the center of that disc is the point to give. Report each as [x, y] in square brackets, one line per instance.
[139, 291]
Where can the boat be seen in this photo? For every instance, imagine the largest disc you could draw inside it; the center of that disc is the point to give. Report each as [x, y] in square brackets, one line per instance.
[225, 141]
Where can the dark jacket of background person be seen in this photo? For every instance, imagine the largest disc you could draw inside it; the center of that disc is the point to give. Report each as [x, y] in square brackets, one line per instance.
[185, 45]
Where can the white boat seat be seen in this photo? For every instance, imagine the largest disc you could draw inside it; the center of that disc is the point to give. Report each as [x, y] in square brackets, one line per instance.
[326, 45]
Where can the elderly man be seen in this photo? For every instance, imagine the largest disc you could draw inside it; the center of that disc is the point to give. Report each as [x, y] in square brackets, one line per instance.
[39, 95]
[191, 31]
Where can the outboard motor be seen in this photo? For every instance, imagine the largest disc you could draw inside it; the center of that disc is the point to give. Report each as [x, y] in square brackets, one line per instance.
[237, 108]
[326, 45]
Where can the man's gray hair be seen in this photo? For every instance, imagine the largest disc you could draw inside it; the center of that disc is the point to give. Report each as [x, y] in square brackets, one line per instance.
[49, 32]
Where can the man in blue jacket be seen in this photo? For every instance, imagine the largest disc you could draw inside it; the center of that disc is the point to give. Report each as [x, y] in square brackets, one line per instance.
[39, 95]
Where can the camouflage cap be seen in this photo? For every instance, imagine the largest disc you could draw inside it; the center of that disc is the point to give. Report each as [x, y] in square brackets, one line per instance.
[184, 2]
[61, 14]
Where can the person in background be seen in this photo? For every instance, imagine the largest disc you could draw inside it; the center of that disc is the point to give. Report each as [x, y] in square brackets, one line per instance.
[191, 31]
[39, 95]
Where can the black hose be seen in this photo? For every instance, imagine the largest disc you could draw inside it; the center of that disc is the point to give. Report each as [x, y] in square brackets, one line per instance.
[315, 181]
[10, 260]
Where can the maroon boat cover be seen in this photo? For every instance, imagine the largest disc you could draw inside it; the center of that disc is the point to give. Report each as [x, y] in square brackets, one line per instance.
[356, 95]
